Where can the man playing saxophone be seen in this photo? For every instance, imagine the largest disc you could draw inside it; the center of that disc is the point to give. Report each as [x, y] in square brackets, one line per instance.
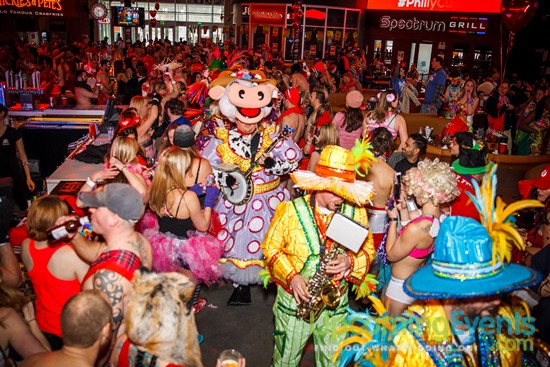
[301, 259]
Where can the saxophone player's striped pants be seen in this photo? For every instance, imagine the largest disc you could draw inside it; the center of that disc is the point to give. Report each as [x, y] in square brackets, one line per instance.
[291, 334]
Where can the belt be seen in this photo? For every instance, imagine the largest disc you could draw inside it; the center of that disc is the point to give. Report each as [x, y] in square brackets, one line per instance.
[268, 186]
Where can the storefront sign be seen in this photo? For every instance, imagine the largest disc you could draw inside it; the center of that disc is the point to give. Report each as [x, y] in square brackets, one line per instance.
[468, 25]
[387, 22]
[53, 8]
[267, 14]
[457, 6]
[456, 24]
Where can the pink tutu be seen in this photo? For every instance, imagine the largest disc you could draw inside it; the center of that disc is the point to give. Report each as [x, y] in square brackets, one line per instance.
[201, 251]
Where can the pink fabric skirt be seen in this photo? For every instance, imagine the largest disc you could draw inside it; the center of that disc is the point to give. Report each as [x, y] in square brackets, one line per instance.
[200, 251]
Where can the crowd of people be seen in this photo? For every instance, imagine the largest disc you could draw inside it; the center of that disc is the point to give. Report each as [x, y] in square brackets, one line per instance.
[224, 167]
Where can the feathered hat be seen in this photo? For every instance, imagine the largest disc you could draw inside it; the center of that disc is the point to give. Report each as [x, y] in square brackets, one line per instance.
[470, 258]
[336, 173]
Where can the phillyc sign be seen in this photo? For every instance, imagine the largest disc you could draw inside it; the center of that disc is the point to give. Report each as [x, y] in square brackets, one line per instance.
[456, 6]
[55, 8]
[457, 24]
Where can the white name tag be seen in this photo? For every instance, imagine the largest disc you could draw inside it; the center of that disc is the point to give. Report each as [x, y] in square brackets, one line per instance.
[347, 232]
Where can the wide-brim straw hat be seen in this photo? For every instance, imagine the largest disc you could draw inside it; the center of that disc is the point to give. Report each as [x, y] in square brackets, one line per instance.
[335, 172]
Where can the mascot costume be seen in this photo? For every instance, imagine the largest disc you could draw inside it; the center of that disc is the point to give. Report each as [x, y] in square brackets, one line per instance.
[247, 164]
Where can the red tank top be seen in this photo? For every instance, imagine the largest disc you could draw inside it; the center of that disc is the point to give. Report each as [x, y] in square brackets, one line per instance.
[51, 293]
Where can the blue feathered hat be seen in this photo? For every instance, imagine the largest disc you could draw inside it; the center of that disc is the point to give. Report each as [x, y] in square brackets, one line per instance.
[462, 265]
[470, 258]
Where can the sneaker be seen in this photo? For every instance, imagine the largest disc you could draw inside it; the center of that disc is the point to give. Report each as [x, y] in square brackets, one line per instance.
[201, 303]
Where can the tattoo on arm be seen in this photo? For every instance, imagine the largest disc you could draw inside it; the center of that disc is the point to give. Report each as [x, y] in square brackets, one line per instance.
[136, 246]
[110, 283]
[426, 229]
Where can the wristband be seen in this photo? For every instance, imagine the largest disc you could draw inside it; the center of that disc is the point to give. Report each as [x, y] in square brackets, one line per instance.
[91, 183]
[25, 163]
[86, 231]
[4, 244]
[393, 219]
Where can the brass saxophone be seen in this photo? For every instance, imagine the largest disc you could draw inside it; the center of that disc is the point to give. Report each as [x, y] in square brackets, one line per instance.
[321, 291]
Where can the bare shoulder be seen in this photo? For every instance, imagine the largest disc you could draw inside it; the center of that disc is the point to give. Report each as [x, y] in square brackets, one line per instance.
[205, 165]
[25, 249]
[145, 251]
[7, 313]
[45, 360]
[380, 167]
[386, 169]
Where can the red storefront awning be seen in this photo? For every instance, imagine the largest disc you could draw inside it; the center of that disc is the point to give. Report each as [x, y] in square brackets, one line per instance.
[315, 14]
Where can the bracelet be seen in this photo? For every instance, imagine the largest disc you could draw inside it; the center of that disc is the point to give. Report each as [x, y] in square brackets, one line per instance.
[86, 231]
[91, 183]
[393, 219]
[24, 164]
[30, 320]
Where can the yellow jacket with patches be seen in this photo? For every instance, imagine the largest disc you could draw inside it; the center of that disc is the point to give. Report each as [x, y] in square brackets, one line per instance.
[286, 248]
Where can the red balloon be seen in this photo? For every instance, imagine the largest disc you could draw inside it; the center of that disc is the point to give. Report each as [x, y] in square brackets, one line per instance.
[516, 14]
[153, 13]
[152, 22]
[157, 6]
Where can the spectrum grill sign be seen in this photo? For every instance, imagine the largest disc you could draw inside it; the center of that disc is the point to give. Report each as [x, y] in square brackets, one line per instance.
[456, 24]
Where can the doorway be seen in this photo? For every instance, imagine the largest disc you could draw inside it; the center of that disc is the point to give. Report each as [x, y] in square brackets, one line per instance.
[424, 59]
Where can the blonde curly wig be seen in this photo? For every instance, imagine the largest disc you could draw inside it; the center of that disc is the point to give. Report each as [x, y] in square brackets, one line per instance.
[431, 180]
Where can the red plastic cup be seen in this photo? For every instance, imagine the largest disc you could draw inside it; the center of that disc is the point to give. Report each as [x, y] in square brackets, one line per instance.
[503, 148]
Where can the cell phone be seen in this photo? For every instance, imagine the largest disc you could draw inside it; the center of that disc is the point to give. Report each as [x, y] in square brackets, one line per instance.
[396, 186]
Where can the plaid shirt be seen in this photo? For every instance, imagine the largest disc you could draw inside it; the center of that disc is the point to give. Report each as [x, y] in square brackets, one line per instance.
[123, 262]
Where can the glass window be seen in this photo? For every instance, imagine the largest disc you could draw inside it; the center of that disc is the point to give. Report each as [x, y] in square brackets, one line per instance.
[377, 49]
[413, 51]
[259, 35]
[182, 32]
[169, 33]
[424, 58]
[352, 37]
[313, 42]
[388, 52]
[275, 40]
[333, 44]
[352, 19]
[336, 18]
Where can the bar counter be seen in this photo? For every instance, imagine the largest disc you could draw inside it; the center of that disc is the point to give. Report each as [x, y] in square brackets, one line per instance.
[47, 132]
[46, 111]
[511, 168]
